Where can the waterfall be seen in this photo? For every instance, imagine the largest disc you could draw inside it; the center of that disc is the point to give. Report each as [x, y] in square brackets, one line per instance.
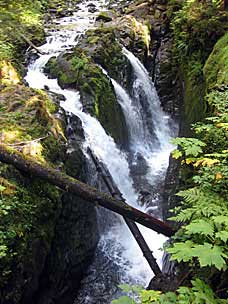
[117, 248]
[145, 94]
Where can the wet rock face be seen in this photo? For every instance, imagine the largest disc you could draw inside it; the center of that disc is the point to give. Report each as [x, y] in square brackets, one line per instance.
[78, 69]
[76, 233]
[166, 79]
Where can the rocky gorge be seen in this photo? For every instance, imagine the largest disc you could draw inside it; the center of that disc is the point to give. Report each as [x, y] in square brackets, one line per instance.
[53, 242]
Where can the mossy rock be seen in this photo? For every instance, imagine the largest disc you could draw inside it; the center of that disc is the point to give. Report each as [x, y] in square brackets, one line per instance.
[27, 116]
[28, 207]
[216, 66]
[194, 108]
[104, 17]
[79, 71]
[102, 45]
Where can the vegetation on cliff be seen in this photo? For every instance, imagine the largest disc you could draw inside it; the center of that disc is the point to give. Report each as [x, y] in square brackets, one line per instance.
[78, 69]
[200, 245]
[29, 207]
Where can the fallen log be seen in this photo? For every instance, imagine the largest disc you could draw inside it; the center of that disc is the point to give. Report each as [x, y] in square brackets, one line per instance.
[32, 45]
[88, 193]
[115, 192]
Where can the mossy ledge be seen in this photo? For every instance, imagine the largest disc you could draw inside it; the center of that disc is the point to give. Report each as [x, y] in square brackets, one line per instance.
[78, 70]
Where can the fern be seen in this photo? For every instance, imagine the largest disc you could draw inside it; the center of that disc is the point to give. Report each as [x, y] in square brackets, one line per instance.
[199, 293]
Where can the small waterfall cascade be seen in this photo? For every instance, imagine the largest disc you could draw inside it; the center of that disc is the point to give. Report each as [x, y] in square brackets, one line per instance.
[145, 94]
[118, 258]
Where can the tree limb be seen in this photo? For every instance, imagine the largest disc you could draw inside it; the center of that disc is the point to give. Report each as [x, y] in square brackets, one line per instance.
[88, 193]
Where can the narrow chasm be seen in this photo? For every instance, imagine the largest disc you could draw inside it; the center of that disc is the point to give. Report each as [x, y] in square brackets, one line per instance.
[98, 91]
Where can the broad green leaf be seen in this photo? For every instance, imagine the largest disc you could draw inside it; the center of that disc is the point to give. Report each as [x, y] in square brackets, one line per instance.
[124, 300]
[222, 235]
[193, 150]
[149, 295]
[3, 251]
[177, 154]
[181, 251]
[137, 288]
[221, 219]
[209, 255]
[200, 227]
[168, 298]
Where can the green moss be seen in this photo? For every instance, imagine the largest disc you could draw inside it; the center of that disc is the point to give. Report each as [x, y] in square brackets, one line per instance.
[28, 207]
[108, 52]
[216, 67]
[78, 70]
[194, 103]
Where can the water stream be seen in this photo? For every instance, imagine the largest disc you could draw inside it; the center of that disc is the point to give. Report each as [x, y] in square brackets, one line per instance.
[118, 258]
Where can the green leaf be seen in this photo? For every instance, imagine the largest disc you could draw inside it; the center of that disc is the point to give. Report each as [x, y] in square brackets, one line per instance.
[125, 287]
[221, 219]
[149, 295]
[129, 288]
[124, 300]
[3, 251]
[200, 227]
[181, 251]
[222, 235]
[191, 146]
[203, 292]
[177, 154]
[2, 188]
[168, 298]
[209, 255]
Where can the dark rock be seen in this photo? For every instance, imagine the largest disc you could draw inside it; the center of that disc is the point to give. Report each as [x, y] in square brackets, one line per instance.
[166, 79]
[163, 283]
[76, 233]
[92, 8]
[104, 17]
[96, 90]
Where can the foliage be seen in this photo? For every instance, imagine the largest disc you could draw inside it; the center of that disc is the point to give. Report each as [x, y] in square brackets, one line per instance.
[20, 18]
[215, 69]
[199, 293]
[28, 207]
[196, 26]
[203, 239]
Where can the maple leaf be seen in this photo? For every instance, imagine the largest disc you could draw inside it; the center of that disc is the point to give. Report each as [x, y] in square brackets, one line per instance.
[124, 300]
[206, 162]
[181, 251]
[176, 154]
[222, 235]
[209, 255]
[200, 227]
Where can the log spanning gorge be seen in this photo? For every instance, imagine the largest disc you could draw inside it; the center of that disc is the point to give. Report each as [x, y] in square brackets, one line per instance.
[138, 170]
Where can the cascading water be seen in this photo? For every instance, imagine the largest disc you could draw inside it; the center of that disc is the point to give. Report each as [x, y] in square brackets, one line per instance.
[117, 248]
[146, 101]
[146, 95]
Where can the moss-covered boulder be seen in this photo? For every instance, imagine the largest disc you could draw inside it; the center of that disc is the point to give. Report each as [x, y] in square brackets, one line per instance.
[35, 221]
[131, 32]
[78, 70]
[216, 66]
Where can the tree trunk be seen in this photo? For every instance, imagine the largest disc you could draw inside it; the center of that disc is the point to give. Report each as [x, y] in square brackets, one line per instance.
[225, 4]
[115, 192]
[88, 193]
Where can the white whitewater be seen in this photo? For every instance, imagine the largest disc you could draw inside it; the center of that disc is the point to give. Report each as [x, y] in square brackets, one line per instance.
[117, 243]
[156, 153]
[143, 84]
